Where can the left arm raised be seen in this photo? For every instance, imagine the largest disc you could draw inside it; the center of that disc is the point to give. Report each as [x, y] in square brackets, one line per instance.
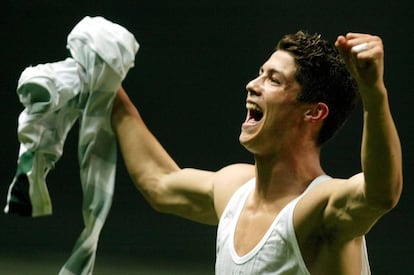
[377, 190]
[381, 149]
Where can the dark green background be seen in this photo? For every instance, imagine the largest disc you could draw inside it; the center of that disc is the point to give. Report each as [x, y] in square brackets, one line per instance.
[189, 83]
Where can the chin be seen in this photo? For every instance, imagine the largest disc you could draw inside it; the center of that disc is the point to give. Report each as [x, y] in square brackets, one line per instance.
[246, 142]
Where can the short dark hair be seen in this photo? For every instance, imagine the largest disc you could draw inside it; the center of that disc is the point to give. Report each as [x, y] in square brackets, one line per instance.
[323, 77]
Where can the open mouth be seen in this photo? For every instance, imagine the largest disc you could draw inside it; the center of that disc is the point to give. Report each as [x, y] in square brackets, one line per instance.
[255, 114]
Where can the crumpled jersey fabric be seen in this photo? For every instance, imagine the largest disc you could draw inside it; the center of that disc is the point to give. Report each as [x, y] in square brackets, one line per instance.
[55, 96]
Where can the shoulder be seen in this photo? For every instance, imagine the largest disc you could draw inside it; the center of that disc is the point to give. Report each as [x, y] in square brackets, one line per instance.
[318, 211]
[310, 209]
[227, 181]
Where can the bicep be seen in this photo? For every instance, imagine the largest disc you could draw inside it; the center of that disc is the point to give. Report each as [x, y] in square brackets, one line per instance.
[200, 195]
[187, 193]
[348, 214]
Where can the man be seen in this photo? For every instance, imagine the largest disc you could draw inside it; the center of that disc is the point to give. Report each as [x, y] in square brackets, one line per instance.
[283, 215]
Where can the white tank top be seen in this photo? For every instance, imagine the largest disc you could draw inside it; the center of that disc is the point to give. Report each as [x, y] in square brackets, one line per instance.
[276, 253]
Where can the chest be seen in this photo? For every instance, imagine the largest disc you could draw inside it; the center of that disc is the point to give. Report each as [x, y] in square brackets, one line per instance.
[256, 240]
[250, 229]
[254, 225]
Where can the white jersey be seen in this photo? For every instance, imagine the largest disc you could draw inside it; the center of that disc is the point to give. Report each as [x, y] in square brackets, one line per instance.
[276, 253]
[56, 95]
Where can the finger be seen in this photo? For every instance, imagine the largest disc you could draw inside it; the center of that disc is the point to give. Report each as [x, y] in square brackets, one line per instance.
[341, 46]
[352, 35]
[359, 54]
[366, 49]
[369, 54]
[352, 42]
[340, 40]
[360, 48]
[363, 38]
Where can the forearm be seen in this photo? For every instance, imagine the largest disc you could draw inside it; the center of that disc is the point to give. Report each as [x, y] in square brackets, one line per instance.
[144, 157]
[380, 152]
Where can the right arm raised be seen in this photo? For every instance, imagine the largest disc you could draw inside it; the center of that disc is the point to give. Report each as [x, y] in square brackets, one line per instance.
[190, 193]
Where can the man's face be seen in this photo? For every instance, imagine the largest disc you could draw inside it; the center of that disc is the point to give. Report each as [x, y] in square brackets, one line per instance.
[272, 109]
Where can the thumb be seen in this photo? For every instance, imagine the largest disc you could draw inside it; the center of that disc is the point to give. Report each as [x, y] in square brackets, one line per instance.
[344, 51]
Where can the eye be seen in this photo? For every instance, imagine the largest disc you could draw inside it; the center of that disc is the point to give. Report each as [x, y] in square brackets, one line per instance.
[275, 80]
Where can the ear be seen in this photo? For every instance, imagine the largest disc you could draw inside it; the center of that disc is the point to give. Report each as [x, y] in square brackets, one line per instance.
[317, 112]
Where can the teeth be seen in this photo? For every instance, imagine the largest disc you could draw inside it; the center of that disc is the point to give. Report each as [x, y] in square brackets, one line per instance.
[252, 106]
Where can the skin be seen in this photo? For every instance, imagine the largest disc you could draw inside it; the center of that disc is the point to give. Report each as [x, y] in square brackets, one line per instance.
[331, 219]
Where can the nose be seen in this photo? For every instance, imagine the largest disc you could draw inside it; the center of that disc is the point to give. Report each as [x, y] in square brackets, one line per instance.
[254, 86]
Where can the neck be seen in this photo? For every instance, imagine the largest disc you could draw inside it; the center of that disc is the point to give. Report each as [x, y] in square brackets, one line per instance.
[287, 173]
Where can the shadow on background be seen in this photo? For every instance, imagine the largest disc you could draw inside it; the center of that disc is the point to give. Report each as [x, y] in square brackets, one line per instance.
[189, 83]
[43, 263]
